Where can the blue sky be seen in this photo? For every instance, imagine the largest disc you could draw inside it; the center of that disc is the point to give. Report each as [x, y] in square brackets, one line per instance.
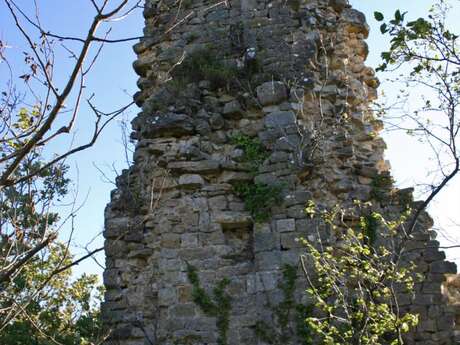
[113, 82]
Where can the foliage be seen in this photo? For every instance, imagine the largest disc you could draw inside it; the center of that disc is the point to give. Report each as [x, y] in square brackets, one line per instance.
[26, 218]
[23, 207]
[38, 304]
[258, 198]
[38, 110]
[369, 223]
[219, 305]
[355, 282]
[65, 311]
[254, 152]
[203, 64]
[381, 184]
[407, 37]
[283, 313]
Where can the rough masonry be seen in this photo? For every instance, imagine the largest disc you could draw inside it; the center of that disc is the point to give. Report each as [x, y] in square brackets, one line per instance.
[270, 97]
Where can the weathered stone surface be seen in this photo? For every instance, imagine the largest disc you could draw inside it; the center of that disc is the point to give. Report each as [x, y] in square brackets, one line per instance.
[339, 5]
[216, 121]
[266, 241]
[271, 93]
[231, 220]
[166, 125]
[356, 21]
[232, 109]
[234, 177]
[194, 167]
[191, 181]
[285, 225]
[280, 119]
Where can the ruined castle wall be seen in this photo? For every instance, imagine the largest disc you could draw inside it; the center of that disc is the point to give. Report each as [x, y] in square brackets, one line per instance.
[292, 75]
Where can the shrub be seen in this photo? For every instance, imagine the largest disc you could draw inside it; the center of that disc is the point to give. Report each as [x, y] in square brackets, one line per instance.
[259, 198]
[254, 152]
[355, 284]
[204, 64]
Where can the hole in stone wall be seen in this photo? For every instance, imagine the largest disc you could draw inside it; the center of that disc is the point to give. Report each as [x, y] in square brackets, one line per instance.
[241, 241]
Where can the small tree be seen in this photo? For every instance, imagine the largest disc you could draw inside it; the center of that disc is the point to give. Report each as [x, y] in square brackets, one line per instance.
[38, 108]
[354, 279]
[425, 51]
[57, 310]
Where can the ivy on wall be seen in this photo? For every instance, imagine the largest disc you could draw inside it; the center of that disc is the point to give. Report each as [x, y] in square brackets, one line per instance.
[289, 315]
[218, 305]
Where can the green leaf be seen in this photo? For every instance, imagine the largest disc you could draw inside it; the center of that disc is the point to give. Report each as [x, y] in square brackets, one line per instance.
[378, 16]
[384, 28]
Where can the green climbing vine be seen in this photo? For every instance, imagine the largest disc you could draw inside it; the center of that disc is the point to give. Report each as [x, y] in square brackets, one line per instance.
[219, 305]
[289, 316]
[258, 197]
[285, 312]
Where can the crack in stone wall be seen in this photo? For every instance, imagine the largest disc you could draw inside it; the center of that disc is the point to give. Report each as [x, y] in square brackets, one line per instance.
[291, 74]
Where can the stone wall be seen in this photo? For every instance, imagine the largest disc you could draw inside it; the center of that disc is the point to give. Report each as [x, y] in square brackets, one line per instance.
[287, 80]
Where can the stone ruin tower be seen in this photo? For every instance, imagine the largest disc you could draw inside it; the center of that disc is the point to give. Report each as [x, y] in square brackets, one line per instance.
[250, 108]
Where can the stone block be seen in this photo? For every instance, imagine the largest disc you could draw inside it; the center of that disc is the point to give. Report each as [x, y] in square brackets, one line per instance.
[182, 310]
[272, 92]
[286, 225]
[290, 240]
[443, 267]
[167, 296]
[189, 240]
[169, 240]
[218, 202]
[266, 241]
[338, 5]
[280, 119]
[232, 110]
[216, 121]
[298, 198]
[111, 278]
[167, 125]
[114, 227]
[445, 322]
[268, 260]
[232, 220]
[297, 212]
[356, 21]
[191, 181]
[266, 281]
[433, 254]
[204, 166]
[291, 257]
